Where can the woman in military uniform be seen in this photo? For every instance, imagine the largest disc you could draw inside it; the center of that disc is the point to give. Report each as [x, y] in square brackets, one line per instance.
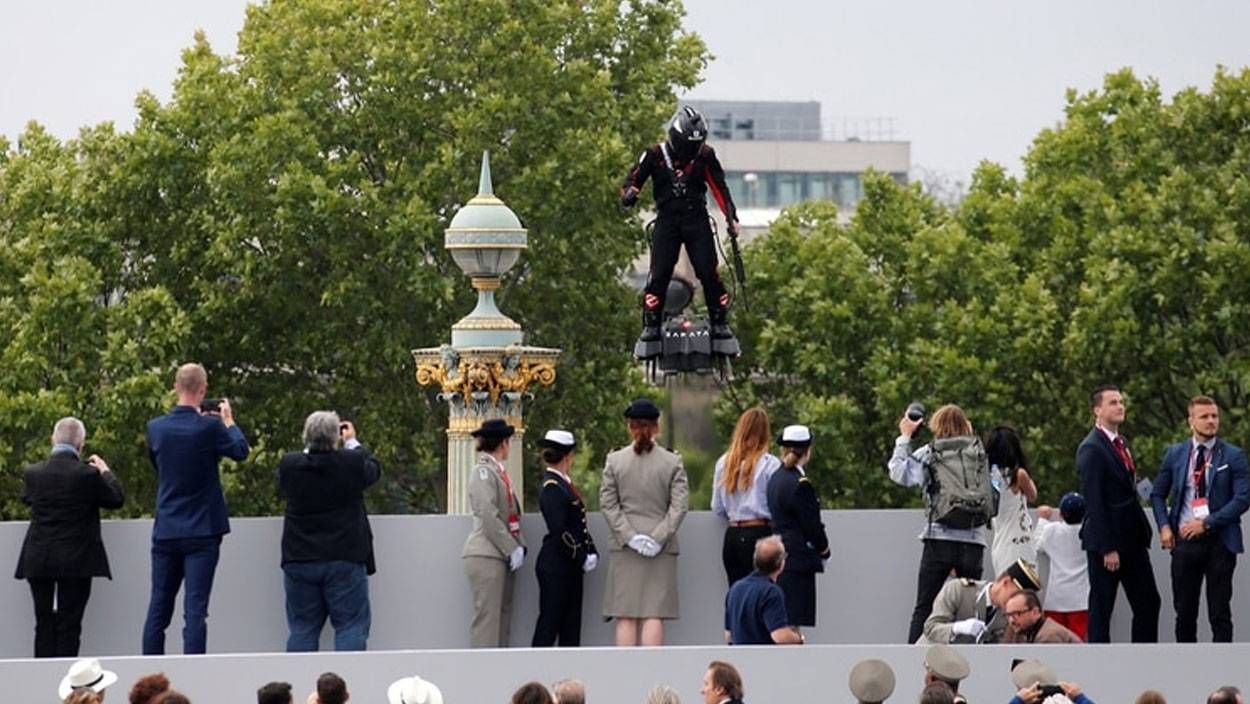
[494, 550]
[795, 510]
[567, 550]
[643, 497]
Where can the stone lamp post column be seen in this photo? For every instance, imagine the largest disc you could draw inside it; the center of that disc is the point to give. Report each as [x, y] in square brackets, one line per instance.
[486, 372]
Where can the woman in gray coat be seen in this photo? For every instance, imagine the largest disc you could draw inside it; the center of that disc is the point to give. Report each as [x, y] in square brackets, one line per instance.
[643, 497]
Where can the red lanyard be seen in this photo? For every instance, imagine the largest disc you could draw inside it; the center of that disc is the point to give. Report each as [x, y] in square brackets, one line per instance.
[514, 521]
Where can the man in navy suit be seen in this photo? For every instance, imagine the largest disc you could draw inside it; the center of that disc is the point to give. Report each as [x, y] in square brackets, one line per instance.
[1207, 483]
[186, 446]
[1116, 534]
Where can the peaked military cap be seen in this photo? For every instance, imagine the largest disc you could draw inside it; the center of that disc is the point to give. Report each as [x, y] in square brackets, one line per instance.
[946, 663]
[1031, 672]
[558, 440]
[872, 681]
[1024, 574]
[795, 436]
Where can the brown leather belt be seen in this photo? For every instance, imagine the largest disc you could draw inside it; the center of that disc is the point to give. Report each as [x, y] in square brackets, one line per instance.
[749, 523]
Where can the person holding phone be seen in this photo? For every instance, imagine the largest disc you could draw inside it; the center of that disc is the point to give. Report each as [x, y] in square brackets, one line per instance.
[186, 446]
[1201, 491]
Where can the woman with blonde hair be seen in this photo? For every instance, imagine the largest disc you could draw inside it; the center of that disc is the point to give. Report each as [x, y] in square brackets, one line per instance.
[740, 492]
[644, 497]
[947, 548]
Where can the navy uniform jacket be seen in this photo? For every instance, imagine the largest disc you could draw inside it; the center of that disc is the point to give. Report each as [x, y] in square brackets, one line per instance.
[185, 448]
[1114, 520]
[568, 541]
[325, 506]
[63, 541]
[1228, 490]
[795, 514]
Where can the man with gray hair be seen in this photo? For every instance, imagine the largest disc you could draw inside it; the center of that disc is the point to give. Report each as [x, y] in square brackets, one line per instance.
[755, 607]
[63, 550]
[569, 692]
[327, 546]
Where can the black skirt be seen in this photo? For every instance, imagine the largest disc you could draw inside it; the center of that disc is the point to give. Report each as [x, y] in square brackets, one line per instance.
[800, 591]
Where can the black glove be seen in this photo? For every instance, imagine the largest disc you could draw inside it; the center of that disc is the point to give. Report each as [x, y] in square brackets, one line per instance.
[629, 197]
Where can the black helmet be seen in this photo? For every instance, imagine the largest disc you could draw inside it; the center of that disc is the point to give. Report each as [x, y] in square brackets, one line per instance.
[687, 132]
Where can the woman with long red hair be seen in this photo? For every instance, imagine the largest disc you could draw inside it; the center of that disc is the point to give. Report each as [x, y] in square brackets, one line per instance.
[643, 497]
[740, 492]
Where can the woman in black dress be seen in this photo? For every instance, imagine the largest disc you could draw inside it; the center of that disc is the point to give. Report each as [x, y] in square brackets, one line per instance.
[796, 518]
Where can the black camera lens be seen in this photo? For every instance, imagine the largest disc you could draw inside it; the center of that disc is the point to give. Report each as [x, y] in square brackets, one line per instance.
[915, 411]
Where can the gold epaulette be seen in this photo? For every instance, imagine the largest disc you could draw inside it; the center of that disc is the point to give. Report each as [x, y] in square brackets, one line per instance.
[550, 482]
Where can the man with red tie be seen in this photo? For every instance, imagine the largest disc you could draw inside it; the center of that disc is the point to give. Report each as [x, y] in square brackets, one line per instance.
[1201, 491]
[1116, 534]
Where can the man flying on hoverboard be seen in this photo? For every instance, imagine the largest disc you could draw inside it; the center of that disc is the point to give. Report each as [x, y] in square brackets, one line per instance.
[681, 171]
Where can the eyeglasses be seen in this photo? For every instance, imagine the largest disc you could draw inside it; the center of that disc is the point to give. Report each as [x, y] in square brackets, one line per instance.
[1012, 614]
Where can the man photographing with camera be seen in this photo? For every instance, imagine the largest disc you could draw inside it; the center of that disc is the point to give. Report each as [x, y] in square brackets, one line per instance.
[186, 445]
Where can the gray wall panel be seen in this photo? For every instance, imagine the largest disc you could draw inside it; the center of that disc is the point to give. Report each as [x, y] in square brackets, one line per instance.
[420, 597]
[803, 675]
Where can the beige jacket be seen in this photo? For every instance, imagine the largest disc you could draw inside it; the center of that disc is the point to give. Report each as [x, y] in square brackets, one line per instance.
[1051, 631]
[645, 494]
[961, 599]
[490, 502]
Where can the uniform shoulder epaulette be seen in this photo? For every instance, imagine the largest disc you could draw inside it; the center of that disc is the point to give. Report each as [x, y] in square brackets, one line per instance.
[551, 482]
[803, 479]
[968, 581]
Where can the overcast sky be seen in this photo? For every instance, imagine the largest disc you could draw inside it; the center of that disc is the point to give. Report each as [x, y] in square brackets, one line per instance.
[964, 80]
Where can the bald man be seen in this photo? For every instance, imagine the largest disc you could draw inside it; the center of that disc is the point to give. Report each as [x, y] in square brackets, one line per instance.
[186, 446]
[755, 607]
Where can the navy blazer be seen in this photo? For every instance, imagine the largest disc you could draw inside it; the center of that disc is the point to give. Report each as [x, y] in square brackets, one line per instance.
[63, 540]
[185, 448]
[1228, 490]
[568, 541]
[795, 511]
[1114, 519]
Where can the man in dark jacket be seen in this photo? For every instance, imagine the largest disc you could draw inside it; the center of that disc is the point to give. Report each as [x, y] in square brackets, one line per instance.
[63, 549]
[186, 446]
[1207, 482]
[1116, 534]
[327, 546]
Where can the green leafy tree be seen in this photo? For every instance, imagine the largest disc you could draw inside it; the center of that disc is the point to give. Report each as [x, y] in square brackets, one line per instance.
[287, 206]
[1117, 257]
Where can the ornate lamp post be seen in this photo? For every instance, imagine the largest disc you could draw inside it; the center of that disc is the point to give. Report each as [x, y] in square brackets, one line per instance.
[485, 372]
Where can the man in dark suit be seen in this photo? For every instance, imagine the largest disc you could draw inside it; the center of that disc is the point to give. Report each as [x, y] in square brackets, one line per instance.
[63, 549]
[1207, 483]
[327, 546]
[186, 446]
[1116, 534]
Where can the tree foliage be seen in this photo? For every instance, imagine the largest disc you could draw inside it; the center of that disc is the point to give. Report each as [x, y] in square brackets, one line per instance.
[280, 220]
[1118, 257]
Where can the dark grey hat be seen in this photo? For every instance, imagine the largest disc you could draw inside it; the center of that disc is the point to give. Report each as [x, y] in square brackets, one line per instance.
[946, 663]
[642, 409]
[872, 681]
[1031, 672]
[494, 428]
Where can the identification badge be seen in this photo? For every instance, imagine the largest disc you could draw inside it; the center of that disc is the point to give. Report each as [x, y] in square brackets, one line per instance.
[514, 526]
[1201, 510]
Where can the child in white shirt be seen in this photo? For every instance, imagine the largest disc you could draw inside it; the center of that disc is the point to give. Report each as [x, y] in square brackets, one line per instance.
[1067, 592]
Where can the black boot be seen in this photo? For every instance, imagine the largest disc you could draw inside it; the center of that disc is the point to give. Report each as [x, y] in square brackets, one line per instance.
[650, 326]
[720, 326]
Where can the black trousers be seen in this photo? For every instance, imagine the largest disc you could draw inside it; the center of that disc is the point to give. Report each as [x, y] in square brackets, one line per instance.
[1192, 562]
[1138, 580]
[59, 606]
[939, 559]
[738, 550]
[690, 228]
[559, 607]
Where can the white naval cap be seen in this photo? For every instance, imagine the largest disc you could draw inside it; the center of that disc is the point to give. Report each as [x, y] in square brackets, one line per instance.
[559, 438]
[795, 435]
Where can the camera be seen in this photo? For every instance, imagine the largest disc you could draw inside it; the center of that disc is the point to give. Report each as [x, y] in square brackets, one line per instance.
[1049, 690]
[210, 405]
[915, 411]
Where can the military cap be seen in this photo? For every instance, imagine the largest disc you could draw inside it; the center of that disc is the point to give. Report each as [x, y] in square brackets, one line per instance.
[642, 409]
[872, 681]
[1024, 574]
[558, 440]
[494, 428]
[946, 663]
[795, 436]
[1031, 672]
